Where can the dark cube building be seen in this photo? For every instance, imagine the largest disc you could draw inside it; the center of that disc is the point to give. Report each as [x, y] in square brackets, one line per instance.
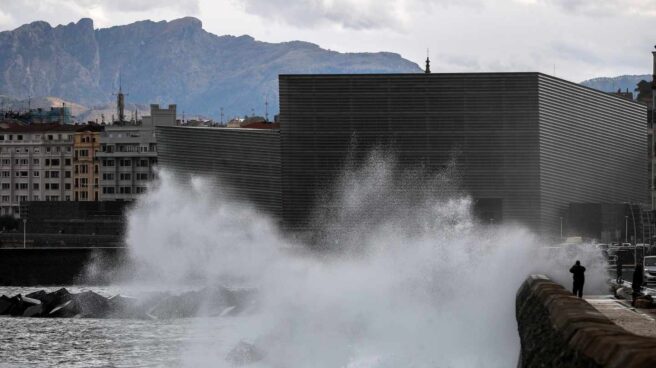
[527, 144]
[244, 162]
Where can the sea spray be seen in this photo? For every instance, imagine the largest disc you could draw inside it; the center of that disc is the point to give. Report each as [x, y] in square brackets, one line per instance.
[405, 275]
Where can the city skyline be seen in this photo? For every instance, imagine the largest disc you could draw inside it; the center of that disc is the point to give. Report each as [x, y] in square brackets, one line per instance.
[575, 40]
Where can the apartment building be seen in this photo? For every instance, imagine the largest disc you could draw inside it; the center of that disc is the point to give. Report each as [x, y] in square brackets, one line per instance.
[128, 155]
[36, 164]
[86, 144]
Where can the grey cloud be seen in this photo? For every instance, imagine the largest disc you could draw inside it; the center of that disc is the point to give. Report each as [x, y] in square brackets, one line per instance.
[606, 7]
[575, 52]
[13, 13]
[191, 6]
[353, 14]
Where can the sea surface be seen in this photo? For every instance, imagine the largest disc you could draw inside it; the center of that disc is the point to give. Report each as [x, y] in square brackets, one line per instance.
[71, 342]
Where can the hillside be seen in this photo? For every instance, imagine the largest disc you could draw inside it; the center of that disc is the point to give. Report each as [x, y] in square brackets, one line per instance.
[166, 62]
[612, 84]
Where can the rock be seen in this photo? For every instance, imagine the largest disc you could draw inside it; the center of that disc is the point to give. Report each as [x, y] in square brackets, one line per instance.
[624, 293]
[91, 305]
[126, 307]
[66, 310]
[176, 306]
[20, 304]
[33, 311]
[244, 353]
[5, 304]
[643, 302]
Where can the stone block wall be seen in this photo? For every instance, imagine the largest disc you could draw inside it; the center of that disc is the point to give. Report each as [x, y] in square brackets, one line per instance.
[557, 329]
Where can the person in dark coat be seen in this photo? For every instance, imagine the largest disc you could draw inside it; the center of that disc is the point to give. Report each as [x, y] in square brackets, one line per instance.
[578, 272]
[618, 269]
[638, 275]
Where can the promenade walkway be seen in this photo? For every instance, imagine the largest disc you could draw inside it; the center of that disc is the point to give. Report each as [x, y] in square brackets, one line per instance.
[638, 321]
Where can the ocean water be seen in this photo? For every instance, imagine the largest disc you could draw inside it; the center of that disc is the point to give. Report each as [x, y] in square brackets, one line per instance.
[405, 277]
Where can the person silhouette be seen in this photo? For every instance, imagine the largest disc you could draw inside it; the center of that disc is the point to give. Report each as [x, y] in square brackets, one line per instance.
[618, 271]
[638, 280]
[578, 272]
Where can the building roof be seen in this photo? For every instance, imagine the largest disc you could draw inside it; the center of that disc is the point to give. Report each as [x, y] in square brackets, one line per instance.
[12, 127]
[261, 125]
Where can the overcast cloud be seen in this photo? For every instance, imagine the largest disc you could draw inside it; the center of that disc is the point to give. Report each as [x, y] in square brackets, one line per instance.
[579, 39]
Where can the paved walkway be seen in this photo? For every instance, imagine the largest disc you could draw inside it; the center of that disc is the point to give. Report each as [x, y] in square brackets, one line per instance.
[633, 320]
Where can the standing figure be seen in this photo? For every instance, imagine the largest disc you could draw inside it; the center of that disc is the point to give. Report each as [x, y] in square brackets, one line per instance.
[578, 272]
[638, 275]
[618, 269]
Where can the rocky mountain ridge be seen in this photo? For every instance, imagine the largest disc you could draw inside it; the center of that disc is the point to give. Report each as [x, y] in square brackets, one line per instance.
[166, 62]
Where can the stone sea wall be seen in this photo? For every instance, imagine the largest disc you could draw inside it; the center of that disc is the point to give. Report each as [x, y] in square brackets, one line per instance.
[557, 329]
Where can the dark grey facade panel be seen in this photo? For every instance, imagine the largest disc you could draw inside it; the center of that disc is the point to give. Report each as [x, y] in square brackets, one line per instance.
[490, 119]
[243, 163]
[592, 149]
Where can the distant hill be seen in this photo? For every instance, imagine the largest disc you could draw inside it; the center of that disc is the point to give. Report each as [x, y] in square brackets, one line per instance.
[166, 62]
[612, 84]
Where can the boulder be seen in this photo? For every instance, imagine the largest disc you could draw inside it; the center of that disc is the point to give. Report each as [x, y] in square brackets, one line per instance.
[5, 304]
[643, 302]
[91, 305]
[20, 304]
[52, 299]
[67, 309]
[243, 354]
[33, 311]
[126, 307]
[624, 293]
[176, 306]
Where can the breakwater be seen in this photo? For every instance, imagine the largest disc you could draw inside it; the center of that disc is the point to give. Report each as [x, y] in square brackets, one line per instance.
[557, 329]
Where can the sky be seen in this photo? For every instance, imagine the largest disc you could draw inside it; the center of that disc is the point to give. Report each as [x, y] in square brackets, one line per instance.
[573, 39]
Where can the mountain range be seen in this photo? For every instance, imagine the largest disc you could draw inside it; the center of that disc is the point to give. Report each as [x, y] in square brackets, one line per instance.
[166, 62]
[612, 84]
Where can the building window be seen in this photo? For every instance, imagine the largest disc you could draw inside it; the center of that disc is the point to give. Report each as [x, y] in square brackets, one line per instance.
[108, 190]
[125, 190]
[54, 162]
[35, 186]
[5, 198]
[35, 162]
[108, 176]
[35, 174]
[5, 174]
[67, 174]
[6, 186]
[67, 186]
[124, 176]
[54, 174]
[67, 162]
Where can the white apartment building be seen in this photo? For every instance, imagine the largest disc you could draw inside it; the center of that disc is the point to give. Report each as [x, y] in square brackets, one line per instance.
[128, 155]
[35, 164]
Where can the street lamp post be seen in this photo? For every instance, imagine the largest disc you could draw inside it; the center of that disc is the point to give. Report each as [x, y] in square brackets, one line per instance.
[626, 228]
[24, 233]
